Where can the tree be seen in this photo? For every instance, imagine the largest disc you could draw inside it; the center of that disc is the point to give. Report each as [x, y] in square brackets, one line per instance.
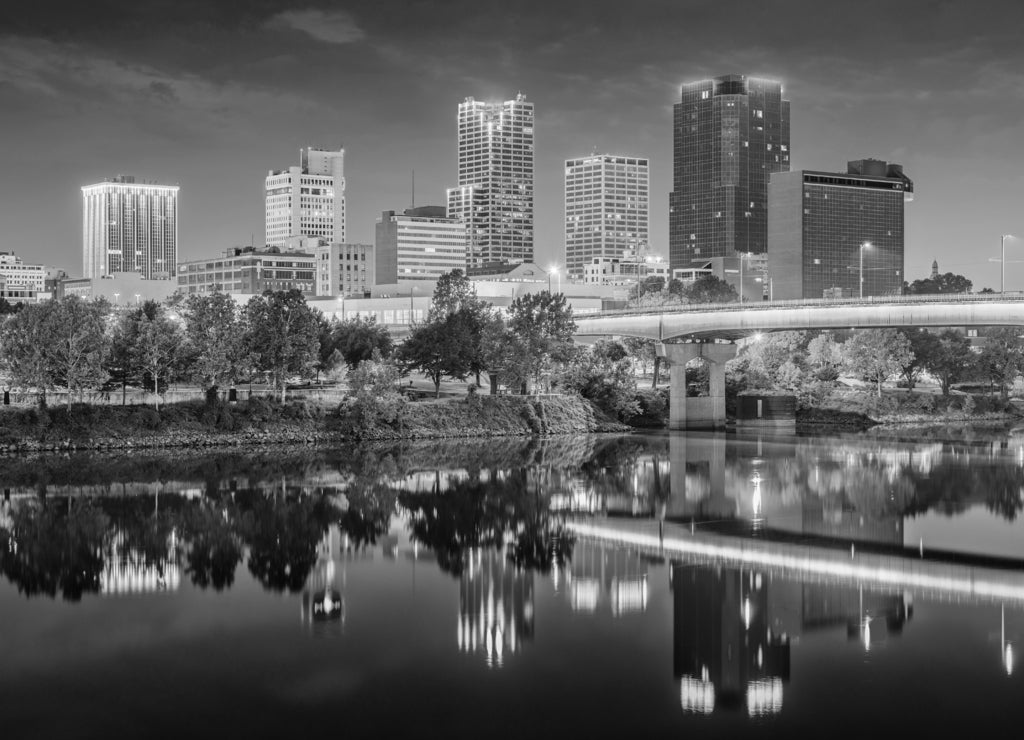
[505, 354]
[603, 374]
[23, 349]
[282, 335]
[768, 353]
[946, 283]
[357, 339]
[455, 296]
[544, 324]
[650, 284]
[924, 345]
[825, 356]
[158, 347]
[952, 361]
[6, 307]
[710, 289]
[876, 354]
[373, 384]
[454, 292]
[214, 339]
[76, 343]
[438, 349]
[1001, 358]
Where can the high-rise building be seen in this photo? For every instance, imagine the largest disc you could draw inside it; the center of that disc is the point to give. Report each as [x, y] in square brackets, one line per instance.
[606, 209]
[730, 134]
[129, 226]
[419, 244]
[494, 196]
[308, 200]
[827, 231]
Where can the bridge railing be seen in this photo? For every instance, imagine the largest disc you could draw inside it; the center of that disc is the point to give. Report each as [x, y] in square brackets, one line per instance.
[1015, 297]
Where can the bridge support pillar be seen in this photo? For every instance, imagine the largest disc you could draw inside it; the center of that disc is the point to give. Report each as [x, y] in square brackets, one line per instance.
[704, 412]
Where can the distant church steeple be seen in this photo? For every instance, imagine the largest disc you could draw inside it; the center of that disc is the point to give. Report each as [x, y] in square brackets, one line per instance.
[935, 269]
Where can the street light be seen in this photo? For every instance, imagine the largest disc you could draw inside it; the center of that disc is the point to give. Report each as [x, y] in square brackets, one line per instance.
[553, 270]
[865, 245]
[1002, 262]
[117, 297]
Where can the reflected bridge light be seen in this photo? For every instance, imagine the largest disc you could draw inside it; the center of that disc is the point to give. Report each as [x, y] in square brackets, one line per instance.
[696, 696]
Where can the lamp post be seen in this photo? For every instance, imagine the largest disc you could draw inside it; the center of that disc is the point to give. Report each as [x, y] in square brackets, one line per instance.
[1002, 262]
[865, 245]
[117, 297]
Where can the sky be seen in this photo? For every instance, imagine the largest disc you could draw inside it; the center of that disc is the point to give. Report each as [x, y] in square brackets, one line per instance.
[211, 94]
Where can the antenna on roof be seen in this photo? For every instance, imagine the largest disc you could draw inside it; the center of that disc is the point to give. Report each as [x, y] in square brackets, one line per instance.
[413, 188]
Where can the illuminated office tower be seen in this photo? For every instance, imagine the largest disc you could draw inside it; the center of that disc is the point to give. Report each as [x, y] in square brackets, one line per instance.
[606, 209]
[308, 200]
[129, 226]
[730, 133]
[837, 234]
[494, 196]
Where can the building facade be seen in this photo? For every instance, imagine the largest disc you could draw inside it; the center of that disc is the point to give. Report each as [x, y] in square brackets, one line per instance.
[606, 209]
[308, 200]
[21, 283]
[730, 134]
[827, 231]
[120, 289]
[129, 226]
[245, 270]
[345, 270]
[419, 244]
[494, 196]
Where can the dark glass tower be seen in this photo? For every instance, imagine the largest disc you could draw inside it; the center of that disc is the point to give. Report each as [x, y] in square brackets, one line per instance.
[730, 134]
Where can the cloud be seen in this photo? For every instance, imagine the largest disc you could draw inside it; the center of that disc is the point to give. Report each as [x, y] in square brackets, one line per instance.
[329, 26]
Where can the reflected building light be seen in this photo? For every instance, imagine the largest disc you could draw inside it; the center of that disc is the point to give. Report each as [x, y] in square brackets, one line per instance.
[1008, 659]
[865, 633]
[495, 607]
[696, 696]
[126, 571]
[584, 594]
[764, 697]
[746, 613]
[629, 596]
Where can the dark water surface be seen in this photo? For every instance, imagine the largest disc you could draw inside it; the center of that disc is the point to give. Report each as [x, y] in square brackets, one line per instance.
[682, 585]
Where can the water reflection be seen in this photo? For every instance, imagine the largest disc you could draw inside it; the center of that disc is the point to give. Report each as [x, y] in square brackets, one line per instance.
[757, 550]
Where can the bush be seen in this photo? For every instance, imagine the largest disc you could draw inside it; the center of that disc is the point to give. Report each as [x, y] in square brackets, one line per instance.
[146, 419]
[261, 408]
[529, 414]
[653, 408]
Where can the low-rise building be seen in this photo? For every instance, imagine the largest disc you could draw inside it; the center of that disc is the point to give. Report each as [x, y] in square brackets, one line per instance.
[120, 288]
[21, 283]
[345, 269]
[246, 270]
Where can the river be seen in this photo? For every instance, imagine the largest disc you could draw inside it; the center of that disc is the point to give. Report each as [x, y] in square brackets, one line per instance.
[722, 584]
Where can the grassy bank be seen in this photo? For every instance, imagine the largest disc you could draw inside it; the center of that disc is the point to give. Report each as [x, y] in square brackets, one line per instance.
[263, 421]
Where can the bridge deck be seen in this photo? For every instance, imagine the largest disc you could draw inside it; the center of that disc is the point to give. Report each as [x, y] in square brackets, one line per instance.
[942, 580]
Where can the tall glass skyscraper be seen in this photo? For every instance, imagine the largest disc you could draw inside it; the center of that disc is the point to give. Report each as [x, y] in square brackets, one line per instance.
[730, 134]
[129, 226]
[606, 209]
[494, 196]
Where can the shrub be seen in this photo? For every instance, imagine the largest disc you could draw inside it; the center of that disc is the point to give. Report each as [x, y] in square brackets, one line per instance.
[146, 419]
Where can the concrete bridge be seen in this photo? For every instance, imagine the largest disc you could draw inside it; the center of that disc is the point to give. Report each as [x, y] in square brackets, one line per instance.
[936, 578]
[707, 331]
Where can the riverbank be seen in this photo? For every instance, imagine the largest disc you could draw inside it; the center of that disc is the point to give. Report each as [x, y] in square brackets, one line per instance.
[261, 421]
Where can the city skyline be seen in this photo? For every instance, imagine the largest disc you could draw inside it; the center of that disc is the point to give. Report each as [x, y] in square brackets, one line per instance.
[210, 98]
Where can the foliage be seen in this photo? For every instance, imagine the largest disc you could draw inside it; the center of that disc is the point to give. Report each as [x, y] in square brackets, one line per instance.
[282, 335]
[544, 325]
[214, 340]
[374, 386]
[945, 283]
[710, 289]
[767, 354]
[1001, 358]
[455, 300]
[925, 348]
[876, 354]
[952, 361]
[157, 348]
[603, 374]
[439, 348]
[824, 356]
[357, 340]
